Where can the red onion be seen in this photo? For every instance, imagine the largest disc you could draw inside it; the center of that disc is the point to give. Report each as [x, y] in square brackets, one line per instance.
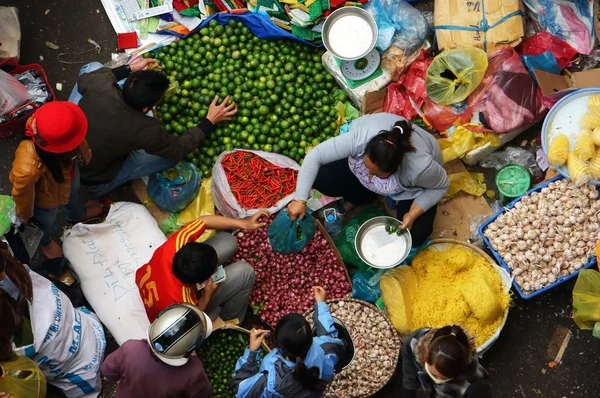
[283, 282]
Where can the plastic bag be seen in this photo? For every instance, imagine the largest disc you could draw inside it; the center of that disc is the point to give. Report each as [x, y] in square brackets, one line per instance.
[7, 213]
[455, 74]
[542, 42]
[365, 285]
[202, 205]
[511, 155]
[23, 378]
[12, 93]
[175, 188]
[569, 20]
[10, 33]
[463, 140]
[507, 98]
[471, 183]
[399, 25]
[396, 61]
[586, 299]
[397, 285]
[344, 241]
[287, 236]
[223, 197]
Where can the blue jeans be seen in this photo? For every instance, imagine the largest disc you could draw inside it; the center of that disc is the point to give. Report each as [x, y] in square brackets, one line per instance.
[73, 211]
[138, 163]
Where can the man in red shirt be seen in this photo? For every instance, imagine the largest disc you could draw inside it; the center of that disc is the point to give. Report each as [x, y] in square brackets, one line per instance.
[180, 263]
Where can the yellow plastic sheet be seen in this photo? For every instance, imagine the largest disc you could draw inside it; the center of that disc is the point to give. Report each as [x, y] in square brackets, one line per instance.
[23, 379]
[586, 299]
[203, 205]
[471, 183]
[454, 74]
[464, 140]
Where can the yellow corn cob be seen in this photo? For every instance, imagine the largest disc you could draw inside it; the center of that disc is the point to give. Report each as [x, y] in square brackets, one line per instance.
[584, 146]
[590, 120]
[559, 150]
[578, 169]
[595, 165]
[594, 103]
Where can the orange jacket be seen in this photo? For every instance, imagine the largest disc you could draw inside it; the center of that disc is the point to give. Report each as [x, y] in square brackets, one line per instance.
[33, 183]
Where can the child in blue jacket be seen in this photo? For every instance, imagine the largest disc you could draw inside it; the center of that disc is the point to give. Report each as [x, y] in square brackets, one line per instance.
[301, 366]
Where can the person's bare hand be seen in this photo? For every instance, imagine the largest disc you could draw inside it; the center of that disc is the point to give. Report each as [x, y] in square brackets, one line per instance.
[320, 294]
[220, 112]
[143, 64]
[256, 339]
[4, 394]
[254, 221]
[407, 221]
[296, 209]
[210, 288]
[86, 157]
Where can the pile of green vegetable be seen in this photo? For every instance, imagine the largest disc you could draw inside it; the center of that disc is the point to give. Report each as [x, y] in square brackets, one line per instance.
[219, 354]
[285, 98]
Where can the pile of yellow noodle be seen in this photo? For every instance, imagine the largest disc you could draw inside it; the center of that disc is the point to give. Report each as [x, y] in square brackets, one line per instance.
[456, 285]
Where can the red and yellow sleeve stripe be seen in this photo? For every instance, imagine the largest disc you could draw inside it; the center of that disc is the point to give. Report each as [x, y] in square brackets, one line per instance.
[188, 295]
[189, 233]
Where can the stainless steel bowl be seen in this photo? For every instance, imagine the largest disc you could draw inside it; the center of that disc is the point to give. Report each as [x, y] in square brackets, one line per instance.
[379, 249]
[343, 21]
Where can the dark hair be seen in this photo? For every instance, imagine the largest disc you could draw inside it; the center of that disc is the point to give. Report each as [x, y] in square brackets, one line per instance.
[55, 162]
[195, 262]
[294, 339]
[144, 89]
[449, 351]
[387, 148]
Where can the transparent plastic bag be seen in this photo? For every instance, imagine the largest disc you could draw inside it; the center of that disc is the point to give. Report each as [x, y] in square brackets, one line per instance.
[454, 74]
[287, 236]
[23, 378]
[12, 93]
[175, 188]
[10, 33]
[399, 25]
[397, 285]
[586, 299]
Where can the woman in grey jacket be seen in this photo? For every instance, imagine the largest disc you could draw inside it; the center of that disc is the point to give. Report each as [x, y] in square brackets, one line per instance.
[382, 154]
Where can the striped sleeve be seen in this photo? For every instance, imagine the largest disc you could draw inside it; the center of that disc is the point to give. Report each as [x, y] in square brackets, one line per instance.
[189, 233]
[188, 295]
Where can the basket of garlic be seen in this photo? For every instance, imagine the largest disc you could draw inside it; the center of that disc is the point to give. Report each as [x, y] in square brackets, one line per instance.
[546, 236]
[571, 136]
[376, 349]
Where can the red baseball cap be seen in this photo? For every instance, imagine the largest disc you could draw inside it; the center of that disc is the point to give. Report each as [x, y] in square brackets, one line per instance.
[61, 124]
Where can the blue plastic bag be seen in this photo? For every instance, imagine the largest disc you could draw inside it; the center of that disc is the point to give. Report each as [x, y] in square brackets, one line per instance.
[365, 285]
[175, 188]
[287, 236]
[399, 24]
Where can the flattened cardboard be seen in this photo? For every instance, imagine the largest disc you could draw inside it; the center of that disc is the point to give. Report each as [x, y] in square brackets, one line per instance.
[551, 83]
[469, 14]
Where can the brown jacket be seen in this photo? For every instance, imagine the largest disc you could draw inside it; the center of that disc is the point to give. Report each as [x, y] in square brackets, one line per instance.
[33, 183]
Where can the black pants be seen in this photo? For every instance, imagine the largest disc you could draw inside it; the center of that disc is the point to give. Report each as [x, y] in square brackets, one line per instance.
[336, 179]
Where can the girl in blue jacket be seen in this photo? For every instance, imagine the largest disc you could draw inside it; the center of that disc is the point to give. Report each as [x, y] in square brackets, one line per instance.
[301, 366]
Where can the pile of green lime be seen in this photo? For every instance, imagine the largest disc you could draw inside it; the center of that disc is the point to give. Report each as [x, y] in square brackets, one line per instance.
[285, 98]
[219, 354]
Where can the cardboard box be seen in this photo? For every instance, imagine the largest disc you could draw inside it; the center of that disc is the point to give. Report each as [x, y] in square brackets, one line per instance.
[451, 15]
[550, 83]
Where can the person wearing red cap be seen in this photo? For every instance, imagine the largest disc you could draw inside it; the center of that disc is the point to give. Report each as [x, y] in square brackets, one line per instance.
[44, 174]
[128, 144]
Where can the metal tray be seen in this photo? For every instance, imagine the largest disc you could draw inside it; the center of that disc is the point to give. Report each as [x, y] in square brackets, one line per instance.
[373, 241]
[341, 28]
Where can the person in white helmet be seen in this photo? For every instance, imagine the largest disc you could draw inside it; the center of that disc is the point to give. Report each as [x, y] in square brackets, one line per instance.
[165, 364]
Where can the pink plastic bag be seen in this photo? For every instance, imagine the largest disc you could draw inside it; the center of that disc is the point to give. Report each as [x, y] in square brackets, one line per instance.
[12, 93]
[507, 97]
[543, 41]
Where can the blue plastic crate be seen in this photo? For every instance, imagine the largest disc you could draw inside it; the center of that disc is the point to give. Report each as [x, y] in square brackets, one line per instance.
[503, 264]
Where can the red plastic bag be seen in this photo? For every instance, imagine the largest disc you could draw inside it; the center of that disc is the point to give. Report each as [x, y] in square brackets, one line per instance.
[544, 41]
[410, 84]
[507, 97]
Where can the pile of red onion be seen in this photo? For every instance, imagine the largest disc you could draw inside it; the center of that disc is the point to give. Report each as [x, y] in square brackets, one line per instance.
[283, 281]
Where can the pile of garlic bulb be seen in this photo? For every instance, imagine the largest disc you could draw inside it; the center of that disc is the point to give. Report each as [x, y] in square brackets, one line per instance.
[376, 350]
[548, 234]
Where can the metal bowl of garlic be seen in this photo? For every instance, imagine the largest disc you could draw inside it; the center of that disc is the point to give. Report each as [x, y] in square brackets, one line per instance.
[379, 248]
[349, 33]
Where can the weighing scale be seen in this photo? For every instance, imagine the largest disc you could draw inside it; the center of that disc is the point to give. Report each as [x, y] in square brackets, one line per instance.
[360, 71]
[512, 182]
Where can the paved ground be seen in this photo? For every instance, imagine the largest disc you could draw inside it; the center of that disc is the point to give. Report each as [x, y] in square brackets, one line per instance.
[517, 362]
